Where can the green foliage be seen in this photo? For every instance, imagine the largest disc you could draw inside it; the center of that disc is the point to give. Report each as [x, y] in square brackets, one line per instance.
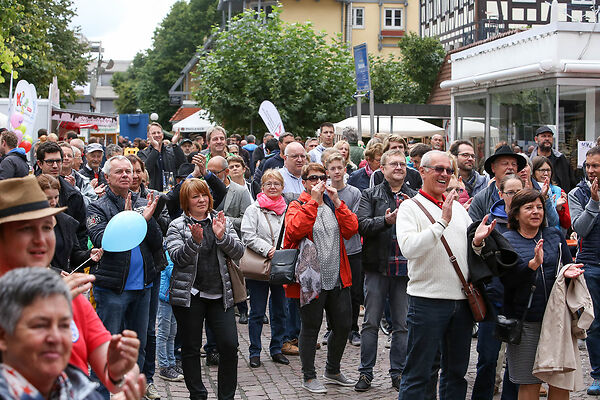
[408, 79]
[147, 82]
[262, 58]
[11, 12]
[46, 46]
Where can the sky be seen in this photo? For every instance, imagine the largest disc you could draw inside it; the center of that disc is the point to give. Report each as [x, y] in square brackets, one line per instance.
[124, 26]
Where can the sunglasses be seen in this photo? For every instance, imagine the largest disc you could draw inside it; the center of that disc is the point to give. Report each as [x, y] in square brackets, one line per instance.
[440, 170]
[314, 178]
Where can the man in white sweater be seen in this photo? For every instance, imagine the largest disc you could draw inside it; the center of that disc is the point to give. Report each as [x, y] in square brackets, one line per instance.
[438, 313]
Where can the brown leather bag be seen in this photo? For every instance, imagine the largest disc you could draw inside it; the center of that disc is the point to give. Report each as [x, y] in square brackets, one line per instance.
[253, 265]
[238, 286]
[474, 296]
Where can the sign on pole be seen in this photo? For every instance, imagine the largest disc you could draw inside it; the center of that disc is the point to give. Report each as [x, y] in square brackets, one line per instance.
[363, 84]
[271, 118]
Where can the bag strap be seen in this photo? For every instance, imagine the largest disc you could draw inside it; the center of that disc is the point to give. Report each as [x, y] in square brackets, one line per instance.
[270, 227]
[528, 303]
[282, 229]
[447, 247]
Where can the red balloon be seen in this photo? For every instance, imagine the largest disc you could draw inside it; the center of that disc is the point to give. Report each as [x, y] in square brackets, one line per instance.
[25, 145]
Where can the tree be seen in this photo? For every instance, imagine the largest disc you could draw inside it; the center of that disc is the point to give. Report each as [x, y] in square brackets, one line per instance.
[260, 58]
[11, 13]
[174, 43]
[47, 46]
[410, 78]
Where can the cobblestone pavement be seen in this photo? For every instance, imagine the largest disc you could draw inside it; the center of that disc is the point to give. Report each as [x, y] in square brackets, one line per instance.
[275, 381]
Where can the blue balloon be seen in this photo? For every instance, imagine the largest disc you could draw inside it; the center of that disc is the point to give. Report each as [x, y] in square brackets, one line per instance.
[124, 231]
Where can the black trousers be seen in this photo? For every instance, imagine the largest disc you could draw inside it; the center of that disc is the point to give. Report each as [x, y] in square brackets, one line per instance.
[189, 324]
[338, 306]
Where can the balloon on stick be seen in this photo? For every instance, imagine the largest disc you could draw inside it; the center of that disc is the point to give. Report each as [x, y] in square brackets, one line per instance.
[25, 145]
[16, 120]
[124, 231]
[27, 138]
[19, 136]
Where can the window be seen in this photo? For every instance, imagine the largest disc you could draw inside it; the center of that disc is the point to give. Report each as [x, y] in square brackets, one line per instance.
[393, 18]
[358, 17]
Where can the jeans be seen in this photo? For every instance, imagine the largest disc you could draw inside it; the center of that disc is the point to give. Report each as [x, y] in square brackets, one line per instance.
[150, 359]
[258, 306]
[432, 321]
[338, 305]
[591, 272]
[488, 348]
[165, 338]
[128, 310]
[356, 290]
[292, 319]
[377, 289]
[222, 322]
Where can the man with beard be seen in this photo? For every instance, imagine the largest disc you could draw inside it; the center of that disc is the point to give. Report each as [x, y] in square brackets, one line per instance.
[464, 152]
[563, 173]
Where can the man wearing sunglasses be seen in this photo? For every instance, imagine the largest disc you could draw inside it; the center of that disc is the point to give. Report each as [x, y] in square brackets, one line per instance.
[439, 317]
[321, 217]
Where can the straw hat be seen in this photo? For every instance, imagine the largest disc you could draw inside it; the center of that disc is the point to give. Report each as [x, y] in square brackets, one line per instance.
[22, 199]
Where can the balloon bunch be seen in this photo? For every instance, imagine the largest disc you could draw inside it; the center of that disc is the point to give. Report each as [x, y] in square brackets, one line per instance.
[25, 141]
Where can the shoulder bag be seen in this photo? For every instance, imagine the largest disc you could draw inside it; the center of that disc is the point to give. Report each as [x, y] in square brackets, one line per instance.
[255, 266]
[509, 329]
[238, 286]
[283, 263]
[474, 296]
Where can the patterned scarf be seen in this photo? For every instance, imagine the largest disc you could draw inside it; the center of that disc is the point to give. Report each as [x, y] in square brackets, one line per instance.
[20, 389]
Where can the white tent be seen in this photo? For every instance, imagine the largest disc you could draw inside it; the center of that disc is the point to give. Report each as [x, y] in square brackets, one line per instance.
[405, 126]
[4, 121]
[197, 122]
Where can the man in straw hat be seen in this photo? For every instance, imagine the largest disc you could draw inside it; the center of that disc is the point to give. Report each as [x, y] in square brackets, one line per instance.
[27, 239]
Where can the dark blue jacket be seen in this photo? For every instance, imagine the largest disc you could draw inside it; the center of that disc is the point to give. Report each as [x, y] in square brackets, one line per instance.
[113, 268]
[517, 286]
[589, 246]
[495, 289]
[14, 164]
[359, 179]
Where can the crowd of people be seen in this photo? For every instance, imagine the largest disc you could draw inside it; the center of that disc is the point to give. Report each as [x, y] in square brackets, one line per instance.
[399, 233]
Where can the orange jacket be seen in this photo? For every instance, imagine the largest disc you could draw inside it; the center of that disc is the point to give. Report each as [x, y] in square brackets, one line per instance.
[299, 221]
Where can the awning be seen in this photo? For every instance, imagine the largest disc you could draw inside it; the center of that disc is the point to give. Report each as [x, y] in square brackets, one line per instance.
[197, 122]
[76, 126]
[82, 117]
[404, 126]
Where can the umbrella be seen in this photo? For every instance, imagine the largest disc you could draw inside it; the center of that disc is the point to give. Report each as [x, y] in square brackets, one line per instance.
[405, 126]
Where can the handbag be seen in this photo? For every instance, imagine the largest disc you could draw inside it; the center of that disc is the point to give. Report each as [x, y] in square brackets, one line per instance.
[474, 296]
[509, 330]
[238, 286]
[283, 263]
[255, 266]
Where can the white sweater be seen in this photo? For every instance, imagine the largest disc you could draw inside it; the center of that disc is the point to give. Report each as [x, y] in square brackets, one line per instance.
[430, 271]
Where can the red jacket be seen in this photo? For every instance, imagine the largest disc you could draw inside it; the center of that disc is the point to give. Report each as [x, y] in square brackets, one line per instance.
[299, 221]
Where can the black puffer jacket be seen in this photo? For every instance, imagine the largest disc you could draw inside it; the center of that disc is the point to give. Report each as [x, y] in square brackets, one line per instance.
[70, 197]
[68, 253]
[183, 250]
[113, 269]
[14, 165]
[172, 158]
[377, 234]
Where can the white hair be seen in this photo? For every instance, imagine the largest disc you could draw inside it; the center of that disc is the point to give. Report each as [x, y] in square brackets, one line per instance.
[426, 159]
[108, 163]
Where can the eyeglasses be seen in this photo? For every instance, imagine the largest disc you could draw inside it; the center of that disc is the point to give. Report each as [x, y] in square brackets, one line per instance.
[218, 172]
[297, 156]
[52, 162]
[544, 170]
[510, 193]
[467, 155]
[314, 178]
[440, 170]
[272, 184]
[397, 164]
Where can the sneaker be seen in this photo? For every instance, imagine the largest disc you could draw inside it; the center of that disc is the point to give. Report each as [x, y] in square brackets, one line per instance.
[325, 337]
[338, 379]
[289, 349]
[151, 392]
[212, 359]
[178, 369]
[169, 374]
[388, 342]
[396, 382]
[385, 327]
[594, 389]
[354, 338]
[363, 384]
[314, 386]
[243, 319]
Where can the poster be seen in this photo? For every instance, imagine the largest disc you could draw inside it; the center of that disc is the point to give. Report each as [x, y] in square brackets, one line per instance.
[582, 149]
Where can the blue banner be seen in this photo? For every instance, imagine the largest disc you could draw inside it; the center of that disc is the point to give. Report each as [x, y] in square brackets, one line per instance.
[361, 66]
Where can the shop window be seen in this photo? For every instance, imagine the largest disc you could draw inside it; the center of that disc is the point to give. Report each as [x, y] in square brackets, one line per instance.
[393, 18]
[358, 17]
[470, 124]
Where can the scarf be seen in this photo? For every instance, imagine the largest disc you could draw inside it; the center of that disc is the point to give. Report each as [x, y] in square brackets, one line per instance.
[20, 388]
[368, 169]
[278, 205]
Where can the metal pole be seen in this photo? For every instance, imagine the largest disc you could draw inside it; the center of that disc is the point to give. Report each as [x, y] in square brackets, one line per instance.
[372, 112]
[359, 114]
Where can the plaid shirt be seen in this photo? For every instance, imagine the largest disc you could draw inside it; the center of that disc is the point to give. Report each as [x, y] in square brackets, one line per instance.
[396, 261]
